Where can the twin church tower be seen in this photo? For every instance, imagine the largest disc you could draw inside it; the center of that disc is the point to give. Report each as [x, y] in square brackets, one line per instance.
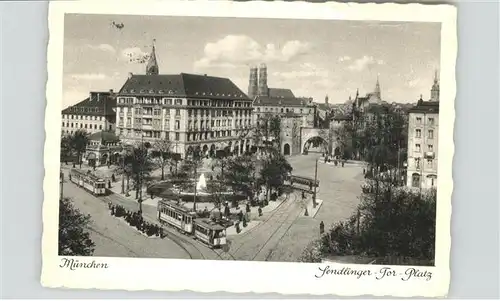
[258, 82]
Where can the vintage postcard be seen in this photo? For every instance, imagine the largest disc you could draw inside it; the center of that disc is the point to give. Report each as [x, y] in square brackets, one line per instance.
[210, 146]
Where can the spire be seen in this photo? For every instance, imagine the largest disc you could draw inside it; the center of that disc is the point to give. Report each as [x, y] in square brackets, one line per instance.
[152, 66]
[435, 87]
[326, 99]
[377, 89]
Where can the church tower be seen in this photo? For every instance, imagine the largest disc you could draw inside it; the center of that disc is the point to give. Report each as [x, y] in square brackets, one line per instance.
[435, 88]
[377, 92]
[326, 99]
[152, 66]
[253, 83]
[263, 90]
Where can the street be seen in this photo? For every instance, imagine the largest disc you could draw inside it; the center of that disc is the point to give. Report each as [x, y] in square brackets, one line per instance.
[114, 237]
[281, 235]
[286, 232]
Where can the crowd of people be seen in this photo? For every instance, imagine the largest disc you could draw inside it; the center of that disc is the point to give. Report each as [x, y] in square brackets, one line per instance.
[136, 220]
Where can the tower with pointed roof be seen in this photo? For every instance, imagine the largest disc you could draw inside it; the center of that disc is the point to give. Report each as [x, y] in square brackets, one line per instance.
[377, 92]
[152, 66]
[435, 88]
[326, 99]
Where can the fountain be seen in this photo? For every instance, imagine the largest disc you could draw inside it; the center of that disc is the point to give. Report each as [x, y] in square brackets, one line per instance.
[168, 189]
[201, 186]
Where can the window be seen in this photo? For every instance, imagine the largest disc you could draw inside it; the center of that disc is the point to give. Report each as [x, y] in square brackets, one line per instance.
[95, 126]
[430, 147]
[177, 124]
[100, 127]
[430, 134]
[415, 180]
[429, 163]
[418, 133]
[177, 112]
[157, 112]
[419, 120]
[417, 163]
[431, 120]
[177, 136]
[63, 124]
[417, 148]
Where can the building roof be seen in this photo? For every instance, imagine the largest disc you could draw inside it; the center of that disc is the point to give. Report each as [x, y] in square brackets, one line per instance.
[281, 102]
[97, 104]
[425, 107]
[281, 93]
[105, 136]
[182, 85]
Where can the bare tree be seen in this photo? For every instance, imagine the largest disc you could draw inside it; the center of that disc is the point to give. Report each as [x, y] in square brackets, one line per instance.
[161, 154]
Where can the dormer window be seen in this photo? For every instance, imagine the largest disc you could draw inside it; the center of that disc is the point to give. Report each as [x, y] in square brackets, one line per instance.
[132, 91]
[151, 91]
[161, 91]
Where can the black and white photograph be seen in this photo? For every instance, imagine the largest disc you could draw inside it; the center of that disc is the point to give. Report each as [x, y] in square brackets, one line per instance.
[251, 139]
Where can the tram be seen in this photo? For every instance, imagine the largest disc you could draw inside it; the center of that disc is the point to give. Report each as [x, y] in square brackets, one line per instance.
[88, 181]
[176, 216]
[301, 183]
[185, 221]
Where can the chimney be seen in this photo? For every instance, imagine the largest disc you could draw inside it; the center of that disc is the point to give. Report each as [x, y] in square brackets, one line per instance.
[130, 74]
[111, 91]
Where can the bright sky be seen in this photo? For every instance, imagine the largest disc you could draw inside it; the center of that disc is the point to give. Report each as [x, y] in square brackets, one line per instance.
[311, 57]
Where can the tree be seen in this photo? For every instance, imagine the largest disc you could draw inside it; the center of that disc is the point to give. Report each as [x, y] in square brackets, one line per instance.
[74, 239]
[274, 170]
[239, 174]
[393, 222]
[161, 154]
[65, 147]
[140, 166]
[267, 131]
[78, 142]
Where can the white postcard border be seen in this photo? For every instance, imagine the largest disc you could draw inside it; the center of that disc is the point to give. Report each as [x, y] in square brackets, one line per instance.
[240, 277]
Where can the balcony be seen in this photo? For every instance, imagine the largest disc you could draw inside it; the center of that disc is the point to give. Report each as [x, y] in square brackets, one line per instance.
[429, 155]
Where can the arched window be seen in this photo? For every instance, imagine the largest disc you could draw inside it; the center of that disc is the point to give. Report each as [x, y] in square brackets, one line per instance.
[415, 180]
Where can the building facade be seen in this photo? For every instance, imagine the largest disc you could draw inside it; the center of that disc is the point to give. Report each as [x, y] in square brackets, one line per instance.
[423, 128]
[104, 148]
[196, 113]
[276, 101]
[93, 114]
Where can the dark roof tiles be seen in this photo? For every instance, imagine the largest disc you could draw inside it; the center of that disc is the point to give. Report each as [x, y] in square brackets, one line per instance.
[96, 104]
[182, 85]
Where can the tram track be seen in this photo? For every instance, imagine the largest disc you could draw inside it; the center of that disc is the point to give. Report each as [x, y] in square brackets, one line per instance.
[282, 212]
[274, 233]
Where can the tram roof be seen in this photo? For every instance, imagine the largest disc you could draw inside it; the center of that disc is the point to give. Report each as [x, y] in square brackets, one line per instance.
[207, 223]
[85, 173]
[176, 206]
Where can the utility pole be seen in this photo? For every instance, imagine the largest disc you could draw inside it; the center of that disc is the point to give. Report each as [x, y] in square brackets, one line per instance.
[61, 181]
[195, 176]
[315, 181]
[143, 158]
[123, 171]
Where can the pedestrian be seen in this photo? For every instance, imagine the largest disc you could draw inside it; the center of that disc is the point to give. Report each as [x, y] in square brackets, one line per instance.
[109, 184]
[240, 216]
[260, 211]
[161, 232]
[364, 171]
[248, 208]
[342, 163]
[113, 178]
[303, 195]
[321, 228]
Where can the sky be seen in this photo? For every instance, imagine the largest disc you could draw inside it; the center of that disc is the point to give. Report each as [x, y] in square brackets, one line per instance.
[313, 58]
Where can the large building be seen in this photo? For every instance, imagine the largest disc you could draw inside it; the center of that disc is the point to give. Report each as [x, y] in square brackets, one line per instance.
[195, 112]
[423, 141]
[94, 114]
[276, 101]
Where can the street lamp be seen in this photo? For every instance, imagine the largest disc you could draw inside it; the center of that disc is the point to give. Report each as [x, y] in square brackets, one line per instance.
[315, 181]
[61, 181]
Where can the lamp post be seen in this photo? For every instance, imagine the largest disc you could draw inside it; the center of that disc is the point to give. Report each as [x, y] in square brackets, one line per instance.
[315, 181]
[61, 181]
